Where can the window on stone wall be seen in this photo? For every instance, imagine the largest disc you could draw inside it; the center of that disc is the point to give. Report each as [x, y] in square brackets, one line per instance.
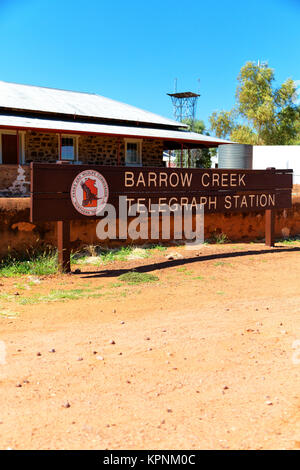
[68, 148]
[133, 152]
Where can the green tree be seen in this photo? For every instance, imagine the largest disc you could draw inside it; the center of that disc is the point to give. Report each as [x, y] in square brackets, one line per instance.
[263, 114]
[243, 134]
[199, 158]
[222, 123]
[198, 126]
[297, 141]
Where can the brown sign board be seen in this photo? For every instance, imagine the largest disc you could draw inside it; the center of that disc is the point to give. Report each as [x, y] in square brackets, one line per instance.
[65, 192]
[217, 190]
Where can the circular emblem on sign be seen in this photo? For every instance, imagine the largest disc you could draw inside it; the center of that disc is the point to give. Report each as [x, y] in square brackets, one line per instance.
[89, 192]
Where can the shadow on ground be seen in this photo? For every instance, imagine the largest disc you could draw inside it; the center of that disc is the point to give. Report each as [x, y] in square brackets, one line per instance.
[181, 262]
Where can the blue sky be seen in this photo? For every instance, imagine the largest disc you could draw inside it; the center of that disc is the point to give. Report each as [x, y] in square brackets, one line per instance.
[132, 50]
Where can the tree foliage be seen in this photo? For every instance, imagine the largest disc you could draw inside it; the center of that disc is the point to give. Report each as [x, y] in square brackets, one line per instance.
[199, 158]
[222, 123]
[263, 114]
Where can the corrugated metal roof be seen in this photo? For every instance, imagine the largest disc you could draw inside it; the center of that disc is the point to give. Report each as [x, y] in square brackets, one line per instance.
[51, 100]
[79, 127]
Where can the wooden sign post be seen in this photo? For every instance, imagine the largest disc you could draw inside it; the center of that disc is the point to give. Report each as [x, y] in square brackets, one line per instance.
[63, 245]
[270, 221]
[63, 193]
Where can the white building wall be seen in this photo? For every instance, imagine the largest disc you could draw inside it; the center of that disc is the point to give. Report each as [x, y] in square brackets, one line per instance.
[280, 156]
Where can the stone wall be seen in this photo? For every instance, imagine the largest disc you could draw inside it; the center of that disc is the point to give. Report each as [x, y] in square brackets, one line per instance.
[92, 149]
[104, 150]
[152, 152]
[14, 179]
[41, 147]
[101, 150]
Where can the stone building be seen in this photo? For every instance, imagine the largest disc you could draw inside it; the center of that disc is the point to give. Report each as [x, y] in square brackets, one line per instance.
[47, 125]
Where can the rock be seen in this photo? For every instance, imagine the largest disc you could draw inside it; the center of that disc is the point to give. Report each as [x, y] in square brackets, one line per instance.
[92, 259]
[100, 358]
[225, 387]
[80, 359]
[66, 405]
[112, 342]
[269, 403]
[122, 322]
[33, 279]
[169, 410]
[147, 338]
[114, 310]
[38, 354]
[16, 293]
[52, 350]
[26, 381]
[173, 255]
[19, 385]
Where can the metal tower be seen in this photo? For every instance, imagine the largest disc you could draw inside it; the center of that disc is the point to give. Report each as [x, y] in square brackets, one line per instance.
[184, 105]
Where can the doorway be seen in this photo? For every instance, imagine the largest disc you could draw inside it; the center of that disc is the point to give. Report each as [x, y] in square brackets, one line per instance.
[9, 149]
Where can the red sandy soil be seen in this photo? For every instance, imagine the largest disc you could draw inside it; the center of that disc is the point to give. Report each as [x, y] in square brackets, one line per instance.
[197, 363]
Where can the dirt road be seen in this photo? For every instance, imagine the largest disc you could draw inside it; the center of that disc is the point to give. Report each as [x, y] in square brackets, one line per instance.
[204, 358]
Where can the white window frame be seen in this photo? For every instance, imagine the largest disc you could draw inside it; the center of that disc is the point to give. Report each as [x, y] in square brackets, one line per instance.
[75, 138]
[139, 148]
[21, 144]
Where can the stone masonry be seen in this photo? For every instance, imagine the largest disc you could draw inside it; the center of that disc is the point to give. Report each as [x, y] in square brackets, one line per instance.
[152, 152]
[41, 147]
[92, 149]
[99, 149]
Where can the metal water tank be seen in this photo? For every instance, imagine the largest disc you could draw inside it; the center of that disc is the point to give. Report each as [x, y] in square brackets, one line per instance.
[237, 156]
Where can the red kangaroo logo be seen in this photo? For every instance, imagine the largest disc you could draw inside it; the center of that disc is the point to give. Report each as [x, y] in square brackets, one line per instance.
[90, 193]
